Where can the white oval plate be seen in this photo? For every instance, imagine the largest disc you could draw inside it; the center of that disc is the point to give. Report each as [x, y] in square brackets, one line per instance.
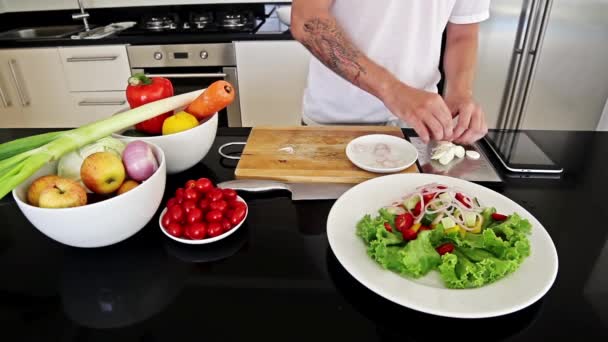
[208, 240]
[360, 151]
[516, 291]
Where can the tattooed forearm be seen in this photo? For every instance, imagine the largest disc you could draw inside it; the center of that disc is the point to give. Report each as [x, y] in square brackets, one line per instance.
[327, 42]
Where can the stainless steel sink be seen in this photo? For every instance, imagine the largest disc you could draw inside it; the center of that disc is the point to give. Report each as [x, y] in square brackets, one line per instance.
[47, 32]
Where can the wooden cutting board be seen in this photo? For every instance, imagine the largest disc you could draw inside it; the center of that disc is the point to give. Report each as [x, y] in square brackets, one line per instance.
[307, 154]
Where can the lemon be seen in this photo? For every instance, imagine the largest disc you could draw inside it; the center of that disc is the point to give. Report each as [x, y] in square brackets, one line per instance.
[179, 122]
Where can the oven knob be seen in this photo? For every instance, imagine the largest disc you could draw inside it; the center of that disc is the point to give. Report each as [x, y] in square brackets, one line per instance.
[158, 55]
[204, 54]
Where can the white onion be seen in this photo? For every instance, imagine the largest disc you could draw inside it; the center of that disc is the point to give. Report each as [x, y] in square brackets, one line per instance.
[139, 160]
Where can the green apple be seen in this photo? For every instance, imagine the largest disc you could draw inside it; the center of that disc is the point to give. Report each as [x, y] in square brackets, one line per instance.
[102, 172]
[65, 193]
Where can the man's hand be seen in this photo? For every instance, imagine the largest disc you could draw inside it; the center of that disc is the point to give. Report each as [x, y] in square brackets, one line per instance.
[471, 119]
[426, 112]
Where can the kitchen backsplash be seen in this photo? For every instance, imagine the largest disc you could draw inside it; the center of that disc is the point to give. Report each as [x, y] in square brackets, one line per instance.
[43, 5]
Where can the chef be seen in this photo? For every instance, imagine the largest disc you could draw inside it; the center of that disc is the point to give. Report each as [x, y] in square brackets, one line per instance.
[377, 63]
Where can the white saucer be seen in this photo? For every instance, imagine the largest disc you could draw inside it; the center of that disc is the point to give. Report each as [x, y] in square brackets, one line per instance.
[381, 153]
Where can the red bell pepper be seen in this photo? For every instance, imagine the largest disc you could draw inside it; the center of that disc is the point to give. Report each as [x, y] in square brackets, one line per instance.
[142, 90]
[388, 227]
[417, 208]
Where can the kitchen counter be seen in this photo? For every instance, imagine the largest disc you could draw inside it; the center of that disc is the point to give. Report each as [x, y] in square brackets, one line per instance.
[277, 279]
[105, 16]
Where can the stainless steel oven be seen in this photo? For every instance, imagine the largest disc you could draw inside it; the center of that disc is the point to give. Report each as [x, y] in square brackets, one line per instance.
[191, 67]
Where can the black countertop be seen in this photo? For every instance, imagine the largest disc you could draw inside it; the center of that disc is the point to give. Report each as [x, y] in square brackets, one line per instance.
[277, 279]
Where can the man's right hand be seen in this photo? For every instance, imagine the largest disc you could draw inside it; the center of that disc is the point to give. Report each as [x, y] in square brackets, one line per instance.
[426, 112]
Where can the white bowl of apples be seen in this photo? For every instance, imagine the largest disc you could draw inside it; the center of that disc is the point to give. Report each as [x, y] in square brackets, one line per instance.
[200, 213]
[117, 208]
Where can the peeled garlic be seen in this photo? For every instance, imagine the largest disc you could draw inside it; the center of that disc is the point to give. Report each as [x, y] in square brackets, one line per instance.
[473, 155]
[447, 157]
[459, 151]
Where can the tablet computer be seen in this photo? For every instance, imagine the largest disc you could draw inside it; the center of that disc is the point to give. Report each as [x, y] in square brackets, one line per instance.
[517, 152]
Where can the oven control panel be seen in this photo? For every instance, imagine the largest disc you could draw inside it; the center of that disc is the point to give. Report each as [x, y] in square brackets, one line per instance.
[150, 56]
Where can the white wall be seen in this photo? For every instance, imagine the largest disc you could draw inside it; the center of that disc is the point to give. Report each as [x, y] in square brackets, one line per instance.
[41, 5]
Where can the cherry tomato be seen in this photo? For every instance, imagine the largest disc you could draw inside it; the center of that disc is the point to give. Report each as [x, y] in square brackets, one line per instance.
[191, 184]
[204, 204]
[171, 202]
[226, 226]
[175, 229]
[214, 229]
[166, 220]
[176, 213]
[499, 217]
[404, 221]
[220, 205]
[237, 216]
[214, 216]
[237, 204]
[229, 195]
[197, 231]
[191, 194]
[428, 197]
[215, 194]
[179, 193]
[180, 200]
[445, 248]
[463, 199]
[188, 205]
[409, 234]
[195, 215]
[203, 185]
[417, 208]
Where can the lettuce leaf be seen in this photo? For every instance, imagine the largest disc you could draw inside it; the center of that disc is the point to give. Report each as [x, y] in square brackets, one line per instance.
[458, 271]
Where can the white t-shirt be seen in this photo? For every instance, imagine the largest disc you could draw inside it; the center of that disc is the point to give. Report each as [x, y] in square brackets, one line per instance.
[404, 36]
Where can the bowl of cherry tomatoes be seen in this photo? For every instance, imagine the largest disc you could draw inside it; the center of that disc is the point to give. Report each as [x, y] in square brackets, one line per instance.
[200, 213]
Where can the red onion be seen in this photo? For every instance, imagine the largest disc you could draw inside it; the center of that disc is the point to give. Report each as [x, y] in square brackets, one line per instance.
[139, 160]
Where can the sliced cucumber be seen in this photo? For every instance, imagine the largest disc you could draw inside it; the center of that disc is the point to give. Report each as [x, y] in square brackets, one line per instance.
[448, 223]
[470, 219]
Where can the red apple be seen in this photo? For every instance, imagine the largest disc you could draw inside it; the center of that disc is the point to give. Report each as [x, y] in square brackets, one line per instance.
[65, 193]
[33, 192]
[102, 172]
[126, 186]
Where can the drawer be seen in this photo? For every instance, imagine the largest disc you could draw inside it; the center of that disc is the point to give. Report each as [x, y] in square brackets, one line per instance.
[93, 106]
[96, 68]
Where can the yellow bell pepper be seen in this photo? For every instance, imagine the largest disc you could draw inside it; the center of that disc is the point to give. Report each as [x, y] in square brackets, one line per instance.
[415, 227]
[477, 228]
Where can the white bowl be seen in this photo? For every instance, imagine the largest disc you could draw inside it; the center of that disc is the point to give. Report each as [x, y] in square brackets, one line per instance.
[185, 149]
[98, 224]
[208, 240]
[284, 13]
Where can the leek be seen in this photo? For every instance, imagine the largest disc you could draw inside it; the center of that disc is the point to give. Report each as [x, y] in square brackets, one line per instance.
[21, 158]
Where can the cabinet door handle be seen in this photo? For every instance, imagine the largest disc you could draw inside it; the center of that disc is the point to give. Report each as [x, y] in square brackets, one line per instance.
[5, 103]
[91, 59]
[25, 101]
[102, 102]
[191, 75]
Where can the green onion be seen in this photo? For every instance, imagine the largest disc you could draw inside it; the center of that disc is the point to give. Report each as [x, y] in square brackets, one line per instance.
[21, 158]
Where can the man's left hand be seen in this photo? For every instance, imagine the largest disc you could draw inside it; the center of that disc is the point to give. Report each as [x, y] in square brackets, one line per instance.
[471, 119]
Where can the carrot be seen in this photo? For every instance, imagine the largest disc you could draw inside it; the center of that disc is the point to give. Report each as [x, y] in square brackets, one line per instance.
[215, 98]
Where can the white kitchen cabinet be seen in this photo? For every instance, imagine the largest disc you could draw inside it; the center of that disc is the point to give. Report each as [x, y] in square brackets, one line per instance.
[96, 68]
[36, 87]
[87, 107]
[10, 107]
[272, 78]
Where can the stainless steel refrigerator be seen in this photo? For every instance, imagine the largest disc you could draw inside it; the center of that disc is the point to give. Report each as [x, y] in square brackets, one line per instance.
[543, 64]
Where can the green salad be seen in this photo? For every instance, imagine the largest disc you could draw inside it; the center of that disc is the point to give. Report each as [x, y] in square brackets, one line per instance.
[440, 228]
